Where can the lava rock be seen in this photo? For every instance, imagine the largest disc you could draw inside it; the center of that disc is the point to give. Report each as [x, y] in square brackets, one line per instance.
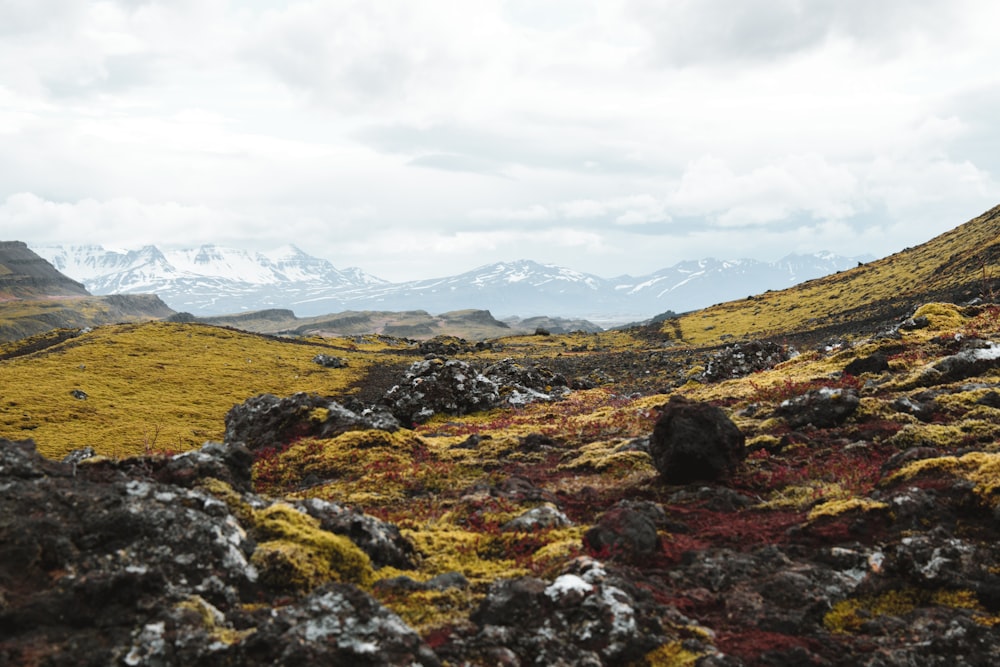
[327, 361]
[695, 441]
[823, 408]
[874, 363]
[454, 387]
[978, 359]
[623, 532]
[266, 420]
[741, 359]
[382, 541]
[337, 624]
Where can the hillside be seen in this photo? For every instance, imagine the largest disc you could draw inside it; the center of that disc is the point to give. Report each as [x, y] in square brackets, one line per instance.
[637, 497]
[35, 298]
[959, 265]
[25, 275]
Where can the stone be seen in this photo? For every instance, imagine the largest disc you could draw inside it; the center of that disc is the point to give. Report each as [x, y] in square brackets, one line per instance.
[694, 441]
[822, 408]
[268, 421]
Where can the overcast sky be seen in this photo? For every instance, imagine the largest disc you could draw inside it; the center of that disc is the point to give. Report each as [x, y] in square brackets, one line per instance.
[422, 139]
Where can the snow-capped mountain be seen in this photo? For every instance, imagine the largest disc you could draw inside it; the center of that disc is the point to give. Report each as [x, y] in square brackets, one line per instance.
[209, 279]
[213, 280]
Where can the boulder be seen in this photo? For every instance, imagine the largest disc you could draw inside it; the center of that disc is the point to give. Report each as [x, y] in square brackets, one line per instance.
[823, 408]
[267, 421]
[625, 533]
[695, 441]
[454, 387]
[741, 359]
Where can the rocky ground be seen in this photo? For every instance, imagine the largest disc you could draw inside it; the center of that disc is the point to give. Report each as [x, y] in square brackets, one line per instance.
[831, 500]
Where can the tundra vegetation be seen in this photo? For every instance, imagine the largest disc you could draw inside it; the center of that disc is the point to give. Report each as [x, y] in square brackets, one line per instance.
[858, 526]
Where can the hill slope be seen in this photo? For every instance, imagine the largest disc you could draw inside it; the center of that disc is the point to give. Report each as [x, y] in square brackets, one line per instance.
[35, 298]
[959, 265]
[25, 275]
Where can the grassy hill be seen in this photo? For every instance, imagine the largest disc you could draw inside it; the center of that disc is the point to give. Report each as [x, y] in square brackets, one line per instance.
[956, 266]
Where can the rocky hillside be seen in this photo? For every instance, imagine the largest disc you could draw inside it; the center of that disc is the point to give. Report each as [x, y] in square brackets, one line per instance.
[25, 275]
[35, 298]
[184, 494]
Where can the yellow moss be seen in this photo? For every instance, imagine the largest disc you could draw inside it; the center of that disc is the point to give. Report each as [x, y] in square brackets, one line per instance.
[981, 468]
[941, 316]
[839, 506]
[564, 545]
[449, 549]
[602, 457]
[764, 440]
[802, 496]
[670, 655]
[945, 436]
[319, 415]
[156, 386]
[849, 615]
[212, 620]
[295, 551]
[425, 610]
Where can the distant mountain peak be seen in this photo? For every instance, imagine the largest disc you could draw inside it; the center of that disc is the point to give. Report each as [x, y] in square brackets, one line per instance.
[215, 280]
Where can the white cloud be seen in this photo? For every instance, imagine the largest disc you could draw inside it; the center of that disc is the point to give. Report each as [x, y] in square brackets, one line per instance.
[404, 137]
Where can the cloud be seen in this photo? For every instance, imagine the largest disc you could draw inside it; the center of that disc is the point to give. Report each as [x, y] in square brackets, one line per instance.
[769, 193]
[689, 32]
[120, 222]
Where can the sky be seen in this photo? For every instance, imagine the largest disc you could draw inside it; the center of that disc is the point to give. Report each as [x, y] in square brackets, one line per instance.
[424, 139]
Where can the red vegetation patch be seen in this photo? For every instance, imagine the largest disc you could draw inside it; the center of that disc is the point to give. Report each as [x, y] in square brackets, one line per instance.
[750, 646]
[790, 388]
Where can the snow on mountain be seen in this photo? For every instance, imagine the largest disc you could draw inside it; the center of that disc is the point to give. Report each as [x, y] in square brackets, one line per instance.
[213, 280]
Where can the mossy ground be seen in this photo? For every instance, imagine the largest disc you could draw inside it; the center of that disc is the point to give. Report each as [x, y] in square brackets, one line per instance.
[453, 483]
[158, 387]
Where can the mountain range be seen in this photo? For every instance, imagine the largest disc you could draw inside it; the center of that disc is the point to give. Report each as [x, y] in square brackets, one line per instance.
[213, 280]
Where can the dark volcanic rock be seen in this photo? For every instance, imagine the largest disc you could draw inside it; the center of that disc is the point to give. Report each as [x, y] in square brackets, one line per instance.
[585, 617]
[822, 408]
[382, 541]
[695, 441]
[101, 564]
[454, 387]
[624, 532]
[874, 363]
[435, 385]
[741, 359]
[327, 361]
[336, 625]
[977, 359]
[266, 420]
